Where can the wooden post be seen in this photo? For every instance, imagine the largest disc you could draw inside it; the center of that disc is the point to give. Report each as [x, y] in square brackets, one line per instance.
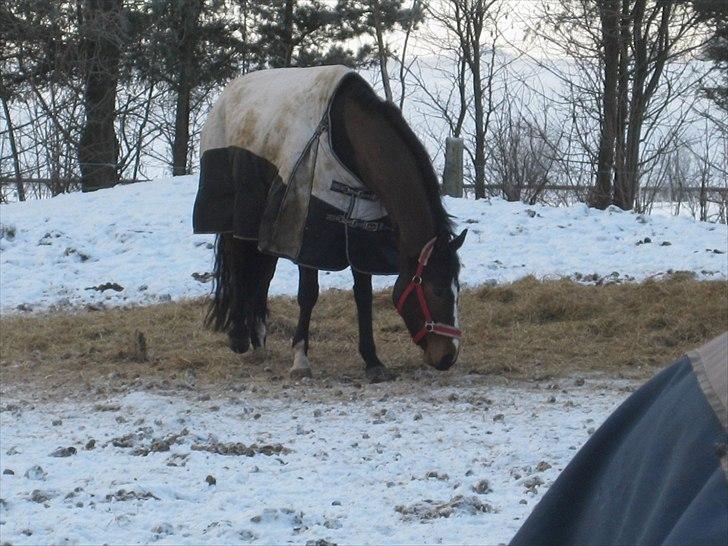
[452, 176]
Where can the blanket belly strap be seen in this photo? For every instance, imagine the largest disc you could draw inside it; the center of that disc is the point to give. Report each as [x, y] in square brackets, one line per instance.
[357, 193]
[358, 224]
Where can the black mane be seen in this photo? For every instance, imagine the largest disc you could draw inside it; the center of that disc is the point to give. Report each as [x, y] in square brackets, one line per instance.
[356, 87]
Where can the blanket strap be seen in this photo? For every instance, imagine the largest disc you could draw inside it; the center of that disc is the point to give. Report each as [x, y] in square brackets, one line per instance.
[346, 219]
[357, 193]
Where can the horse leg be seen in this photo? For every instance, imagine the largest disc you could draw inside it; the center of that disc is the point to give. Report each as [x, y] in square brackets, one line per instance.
[308, 290]
[375, 370]
[242, 291]
[257, 325]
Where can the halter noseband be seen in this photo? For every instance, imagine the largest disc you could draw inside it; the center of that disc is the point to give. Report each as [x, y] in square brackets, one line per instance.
[415, 285]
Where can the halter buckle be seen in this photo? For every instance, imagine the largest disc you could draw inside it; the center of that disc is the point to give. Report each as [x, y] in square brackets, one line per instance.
[429, 326]
[417, 279]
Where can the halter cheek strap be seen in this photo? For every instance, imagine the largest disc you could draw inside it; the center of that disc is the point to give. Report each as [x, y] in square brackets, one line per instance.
[415, 286]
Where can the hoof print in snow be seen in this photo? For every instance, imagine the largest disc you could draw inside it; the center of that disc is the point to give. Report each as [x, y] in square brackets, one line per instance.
[64, 452]
[277, 514]
[47, 239]
[532, 483]
[106, 286]
[24, 307]
[80, 256]
[41, 496]
[210, 480]
[163, 529]
[91, 444]
[8, 472]
[542, 466]
[436, 475]
[246, 535]
[36, 473]
[7, 232]
[482, 487]
[320, 542]
[665, 243]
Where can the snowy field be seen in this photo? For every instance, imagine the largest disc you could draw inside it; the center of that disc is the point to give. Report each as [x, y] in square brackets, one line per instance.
[456, 462]
[438, 459]
[134, 244]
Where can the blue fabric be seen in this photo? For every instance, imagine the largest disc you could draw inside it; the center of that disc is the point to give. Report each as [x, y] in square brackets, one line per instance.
[650, 475]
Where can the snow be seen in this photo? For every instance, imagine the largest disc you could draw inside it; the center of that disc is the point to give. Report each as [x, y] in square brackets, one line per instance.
[53, 251]
[361, 464]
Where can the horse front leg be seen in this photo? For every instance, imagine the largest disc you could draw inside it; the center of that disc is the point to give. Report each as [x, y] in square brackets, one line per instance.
[375, 371]
[308, 291]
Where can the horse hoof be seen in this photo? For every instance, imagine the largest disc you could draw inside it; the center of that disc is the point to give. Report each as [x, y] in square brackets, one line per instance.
[379, 374]
[239, 346]
[300, 373]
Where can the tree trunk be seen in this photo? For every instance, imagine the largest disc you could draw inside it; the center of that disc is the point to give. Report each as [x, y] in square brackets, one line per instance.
[381, 49]
[479, 161]
[288, 33]
[188, 35]
[181, 144]
[98, 149]
[645, 79]
[13, 151]
[601, 192]
[620, 167]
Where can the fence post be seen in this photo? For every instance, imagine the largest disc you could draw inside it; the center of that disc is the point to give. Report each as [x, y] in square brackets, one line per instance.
[452, 176]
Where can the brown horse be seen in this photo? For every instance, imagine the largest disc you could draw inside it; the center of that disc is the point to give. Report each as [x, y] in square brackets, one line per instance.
[371, 138]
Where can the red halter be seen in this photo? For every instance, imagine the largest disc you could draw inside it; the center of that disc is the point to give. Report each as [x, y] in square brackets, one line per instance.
[415, 285]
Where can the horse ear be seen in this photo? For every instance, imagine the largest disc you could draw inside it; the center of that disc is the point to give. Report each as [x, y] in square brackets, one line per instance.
[458, 241]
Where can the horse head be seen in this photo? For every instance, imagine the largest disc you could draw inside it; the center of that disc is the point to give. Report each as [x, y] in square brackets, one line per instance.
[426, 296]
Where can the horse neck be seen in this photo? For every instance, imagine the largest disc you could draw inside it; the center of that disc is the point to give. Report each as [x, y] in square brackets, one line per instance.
[386, 165]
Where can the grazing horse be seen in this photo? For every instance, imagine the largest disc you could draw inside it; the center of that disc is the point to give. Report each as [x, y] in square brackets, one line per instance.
[372, 143]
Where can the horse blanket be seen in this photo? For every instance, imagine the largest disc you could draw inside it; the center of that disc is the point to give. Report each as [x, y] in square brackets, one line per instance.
[269, 173]
[655, 472]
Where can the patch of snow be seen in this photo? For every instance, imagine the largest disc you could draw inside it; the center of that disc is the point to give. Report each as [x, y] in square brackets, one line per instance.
[134, 245]
[377, 465]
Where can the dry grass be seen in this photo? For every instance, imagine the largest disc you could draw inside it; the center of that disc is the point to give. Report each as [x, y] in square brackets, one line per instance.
[528, 329]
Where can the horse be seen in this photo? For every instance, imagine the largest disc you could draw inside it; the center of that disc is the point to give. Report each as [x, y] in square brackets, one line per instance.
[373, 143]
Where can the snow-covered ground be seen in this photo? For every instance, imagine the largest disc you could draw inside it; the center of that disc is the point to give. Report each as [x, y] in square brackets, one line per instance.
[139, 238]
[398, 463]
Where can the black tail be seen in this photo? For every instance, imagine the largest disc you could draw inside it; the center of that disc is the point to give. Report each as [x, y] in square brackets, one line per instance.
[219, 315]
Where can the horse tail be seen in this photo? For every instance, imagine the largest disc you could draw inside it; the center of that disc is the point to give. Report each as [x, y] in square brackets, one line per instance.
[219, 314]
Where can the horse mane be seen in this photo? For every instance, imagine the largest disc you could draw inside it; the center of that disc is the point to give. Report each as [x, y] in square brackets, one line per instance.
[356, 87]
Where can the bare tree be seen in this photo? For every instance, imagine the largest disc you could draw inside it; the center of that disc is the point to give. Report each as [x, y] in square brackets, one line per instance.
[473, 28]
[622, 78]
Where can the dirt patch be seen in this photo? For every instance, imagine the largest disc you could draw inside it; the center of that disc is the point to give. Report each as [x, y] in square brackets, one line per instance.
[238, 448]
[123, 495]
[525, 330]
[429, 509]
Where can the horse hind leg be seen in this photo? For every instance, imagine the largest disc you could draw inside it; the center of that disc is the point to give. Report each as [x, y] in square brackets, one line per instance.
[258, 317]
[227, 309]
[308, 290]
[244, 273]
